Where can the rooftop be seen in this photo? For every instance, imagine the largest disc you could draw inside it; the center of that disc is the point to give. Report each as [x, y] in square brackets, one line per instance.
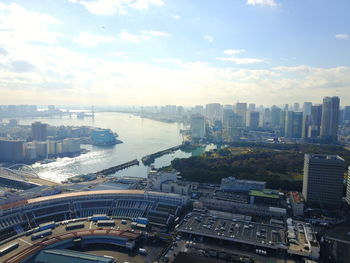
[265, 193]
[65, 255]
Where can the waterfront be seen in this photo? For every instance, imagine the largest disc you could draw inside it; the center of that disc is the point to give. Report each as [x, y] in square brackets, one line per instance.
[140, 137]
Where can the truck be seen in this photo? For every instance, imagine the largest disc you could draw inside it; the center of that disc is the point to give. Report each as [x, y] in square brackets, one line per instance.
[96, 218]
[105, 223]
[41, 234]
[76, 225]
[8, 248]
[48, 225]
[141, 220]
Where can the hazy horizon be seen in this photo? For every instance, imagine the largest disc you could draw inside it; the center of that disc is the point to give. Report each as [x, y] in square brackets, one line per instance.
[159, 52]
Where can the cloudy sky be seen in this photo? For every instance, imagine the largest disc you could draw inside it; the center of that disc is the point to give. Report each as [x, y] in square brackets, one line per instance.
[156, 52]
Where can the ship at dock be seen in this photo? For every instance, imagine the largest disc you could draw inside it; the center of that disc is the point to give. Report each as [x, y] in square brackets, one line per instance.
[104, 137]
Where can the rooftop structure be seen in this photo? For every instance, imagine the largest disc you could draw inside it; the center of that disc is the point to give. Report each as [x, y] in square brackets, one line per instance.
[232, 184]
[68, 256]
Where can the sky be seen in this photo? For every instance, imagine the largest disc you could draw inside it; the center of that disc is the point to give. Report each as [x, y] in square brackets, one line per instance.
[183, 52]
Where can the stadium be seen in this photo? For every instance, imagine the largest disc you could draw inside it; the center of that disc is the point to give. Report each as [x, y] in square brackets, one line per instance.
[29, 226]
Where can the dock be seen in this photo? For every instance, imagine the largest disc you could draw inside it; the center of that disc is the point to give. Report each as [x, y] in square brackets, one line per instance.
[117, 168]
[149, 159]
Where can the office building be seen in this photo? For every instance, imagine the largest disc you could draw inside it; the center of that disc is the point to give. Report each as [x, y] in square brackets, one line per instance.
[251, 107]
[323, 180]
[315, 121]
[275, 116]
[39, 131]
[288, 130]
[307, 108]
[297, 124]
[330, 118]
[296, 106]
[213, 112]
[241, 110]
[227, 113]
[254, 119]
[347, 114]
[283, 122]
[197, 126]
[11, 150]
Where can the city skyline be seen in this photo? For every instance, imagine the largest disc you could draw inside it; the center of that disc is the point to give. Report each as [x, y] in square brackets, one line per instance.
[156, 52]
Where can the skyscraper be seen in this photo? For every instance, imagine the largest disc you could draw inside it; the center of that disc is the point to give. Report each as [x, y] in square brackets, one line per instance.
[39, 131]
[296, 106]
[297, 124]
[288, 130]
[323, 180]
[254, 119]
[251, 107]
[213, 112]
[275, 116]
[197, 126]
[315, 121]
[330, 118]
[307, 108]
[347, 114]
[241, 110]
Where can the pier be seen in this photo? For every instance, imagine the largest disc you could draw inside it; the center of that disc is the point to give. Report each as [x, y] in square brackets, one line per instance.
[149, 159]
[117, 168]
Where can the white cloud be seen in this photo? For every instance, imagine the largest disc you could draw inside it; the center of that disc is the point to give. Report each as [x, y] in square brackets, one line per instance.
[117, 53]
[271, 3]
[110, 7]
[209, 38]
[176, 16]
[231, 57]
[233, 51]
[91, 40]
[144, 35]
[20, 25]
[242, 60]
[341, 36]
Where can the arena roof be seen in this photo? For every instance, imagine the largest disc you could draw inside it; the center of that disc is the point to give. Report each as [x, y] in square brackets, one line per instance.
[68, 195]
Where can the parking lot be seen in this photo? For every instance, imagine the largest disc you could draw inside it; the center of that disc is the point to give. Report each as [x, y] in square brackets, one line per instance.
[235, 230]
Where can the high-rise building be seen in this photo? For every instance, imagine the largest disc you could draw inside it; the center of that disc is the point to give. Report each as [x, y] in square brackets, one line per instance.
[288, 130]
[254, 119]
[297, 124]
[251, 107]
[293, 124]
[197, 126]
[296, 106]
[307, 108]
[266, 118]
[226, 116]
[315, 121]
[347, 114]
[275, 116]
[213, 112]
[39, 131]
[11, 150]
[283, 123]
[330, 118]
[241, 110]
[323, 180]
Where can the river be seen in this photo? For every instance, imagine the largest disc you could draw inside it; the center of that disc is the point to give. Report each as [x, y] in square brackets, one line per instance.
[140, 137]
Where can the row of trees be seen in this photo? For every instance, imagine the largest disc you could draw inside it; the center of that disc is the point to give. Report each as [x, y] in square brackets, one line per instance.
[277, 164]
